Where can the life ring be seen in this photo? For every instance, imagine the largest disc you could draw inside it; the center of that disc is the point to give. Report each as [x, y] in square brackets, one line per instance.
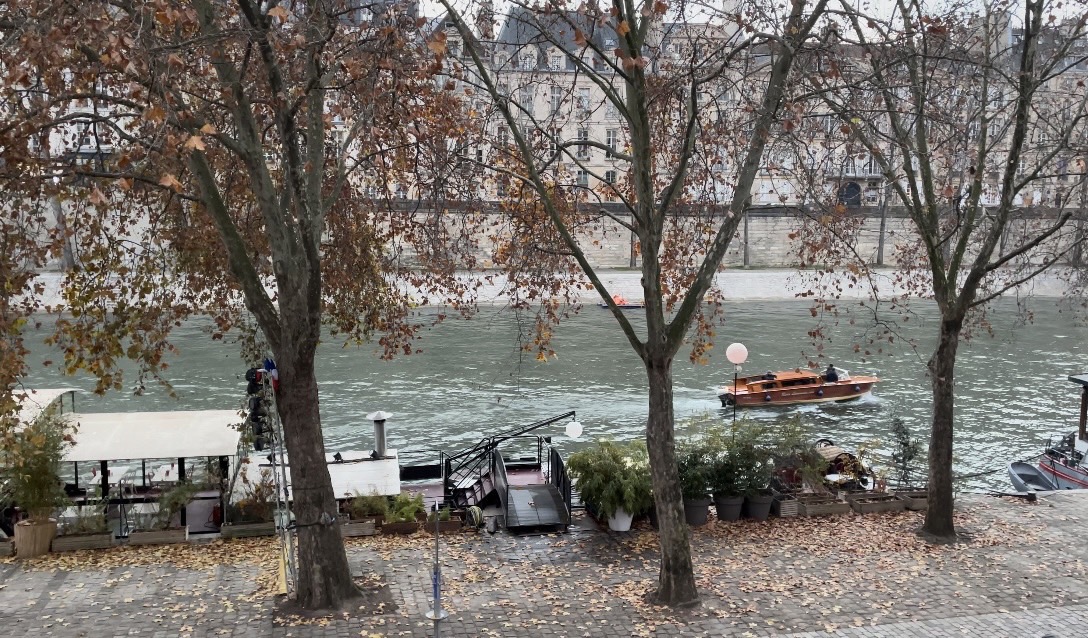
[857, 388]
[767, 397]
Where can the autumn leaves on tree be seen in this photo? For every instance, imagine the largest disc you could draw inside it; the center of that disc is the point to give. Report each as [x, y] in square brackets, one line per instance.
[302, 166]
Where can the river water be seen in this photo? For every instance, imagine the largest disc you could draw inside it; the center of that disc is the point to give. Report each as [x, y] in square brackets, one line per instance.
[470, 381]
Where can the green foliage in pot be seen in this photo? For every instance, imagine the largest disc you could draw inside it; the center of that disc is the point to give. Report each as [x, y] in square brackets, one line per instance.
[906, 452]
[694, 464]
[612, 476]
[364, 505]
[443, 515]
[30, 458]
[407, 507]
[171, 502]
[796, 462]
[90, 518]
[258, 502]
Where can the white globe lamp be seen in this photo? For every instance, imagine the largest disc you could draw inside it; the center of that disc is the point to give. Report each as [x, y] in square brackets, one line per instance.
[737, 354]
[574, 429]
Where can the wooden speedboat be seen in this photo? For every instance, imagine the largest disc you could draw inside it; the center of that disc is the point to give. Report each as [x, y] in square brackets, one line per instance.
[794, 386]
[622, 302]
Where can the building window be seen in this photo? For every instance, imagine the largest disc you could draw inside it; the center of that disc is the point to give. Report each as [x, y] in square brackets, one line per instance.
[611, 112]
[503, 135]
[583, 149]
[555, 63]
[583, 100]
[527, 101]
[556, 99]
[583, 178]
[610, 141]
[610, 177]
[528, 62]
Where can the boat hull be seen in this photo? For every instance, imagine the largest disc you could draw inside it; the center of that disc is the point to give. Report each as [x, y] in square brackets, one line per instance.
[1065, 476]
[824, 393]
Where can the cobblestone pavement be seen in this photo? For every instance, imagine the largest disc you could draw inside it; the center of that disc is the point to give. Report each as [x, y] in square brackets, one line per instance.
[1020, 572]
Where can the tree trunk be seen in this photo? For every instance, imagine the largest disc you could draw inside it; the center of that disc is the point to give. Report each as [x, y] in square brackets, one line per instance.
[942, 370]
[676, 581]
[324, 577]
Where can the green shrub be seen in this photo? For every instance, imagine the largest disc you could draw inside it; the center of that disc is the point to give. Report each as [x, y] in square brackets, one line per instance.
[364, 505]
[612, 476]
[407, 507]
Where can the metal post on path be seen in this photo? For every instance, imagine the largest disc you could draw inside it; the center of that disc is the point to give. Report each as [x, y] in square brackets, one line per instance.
[437, 614]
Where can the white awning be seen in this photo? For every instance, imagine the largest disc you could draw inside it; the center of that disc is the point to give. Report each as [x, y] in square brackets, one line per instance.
[356, 474]
[33, 402]
[154, 435]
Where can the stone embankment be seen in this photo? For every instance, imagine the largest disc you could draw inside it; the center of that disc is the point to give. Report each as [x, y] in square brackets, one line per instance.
[736, 285]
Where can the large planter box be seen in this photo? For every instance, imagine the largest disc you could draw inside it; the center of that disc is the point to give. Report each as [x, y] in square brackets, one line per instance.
[785, 505]
[33, 538]
[74, 542]
[247, 530]
[349, 529]
[916, 500]
[400, 529]
[445, 527]
[870, 503]
[821, 506]
[7, 548]
[159, 536]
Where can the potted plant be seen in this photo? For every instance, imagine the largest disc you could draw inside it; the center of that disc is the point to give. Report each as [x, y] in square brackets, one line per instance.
[162, 529]
[725, 478]
[906, 452]
[694, 468]
[30, 455]
[756, 464]
[446, 521]
[405, 514]
[88, 530]
[797, 466]
[254, 513]
[365, 512]
[614, 480]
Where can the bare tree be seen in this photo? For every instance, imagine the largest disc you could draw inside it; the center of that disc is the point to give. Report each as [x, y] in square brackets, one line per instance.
[977, 124]
[663, 166]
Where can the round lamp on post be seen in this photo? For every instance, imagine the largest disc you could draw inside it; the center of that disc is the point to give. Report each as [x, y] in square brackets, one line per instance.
[574, 429]
[737, 354]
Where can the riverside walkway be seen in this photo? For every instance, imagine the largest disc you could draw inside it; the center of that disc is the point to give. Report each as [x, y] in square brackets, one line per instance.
[1019, 572]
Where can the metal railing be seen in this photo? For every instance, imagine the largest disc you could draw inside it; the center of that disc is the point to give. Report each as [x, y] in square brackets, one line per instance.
[462, 464]
[498, 475]
[557, 476]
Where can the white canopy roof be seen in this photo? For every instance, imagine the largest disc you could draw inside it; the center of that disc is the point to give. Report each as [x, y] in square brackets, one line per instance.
[33, 402]
[154, 435]
[357, 473]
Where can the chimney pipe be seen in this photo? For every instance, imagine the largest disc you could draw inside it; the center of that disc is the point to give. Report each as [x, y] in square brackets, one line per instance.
[379, 418]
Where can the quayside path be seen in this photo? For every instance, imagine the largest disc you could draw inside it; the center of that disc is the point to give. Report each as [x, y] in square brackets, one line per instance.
[1021, 570]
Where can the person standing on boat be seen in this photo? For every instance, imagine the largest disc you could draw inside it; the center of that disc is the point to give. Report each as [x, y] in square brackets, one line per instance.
[831, 375]
[770, 376]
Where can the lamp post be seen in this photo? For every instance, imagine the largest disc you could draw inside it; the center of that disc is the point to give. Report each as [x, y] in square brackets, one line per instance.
[737, 354]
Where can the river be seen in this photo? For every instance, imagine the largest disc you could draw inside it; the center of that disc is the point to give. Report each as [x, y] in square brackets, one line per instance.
[470, 381]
